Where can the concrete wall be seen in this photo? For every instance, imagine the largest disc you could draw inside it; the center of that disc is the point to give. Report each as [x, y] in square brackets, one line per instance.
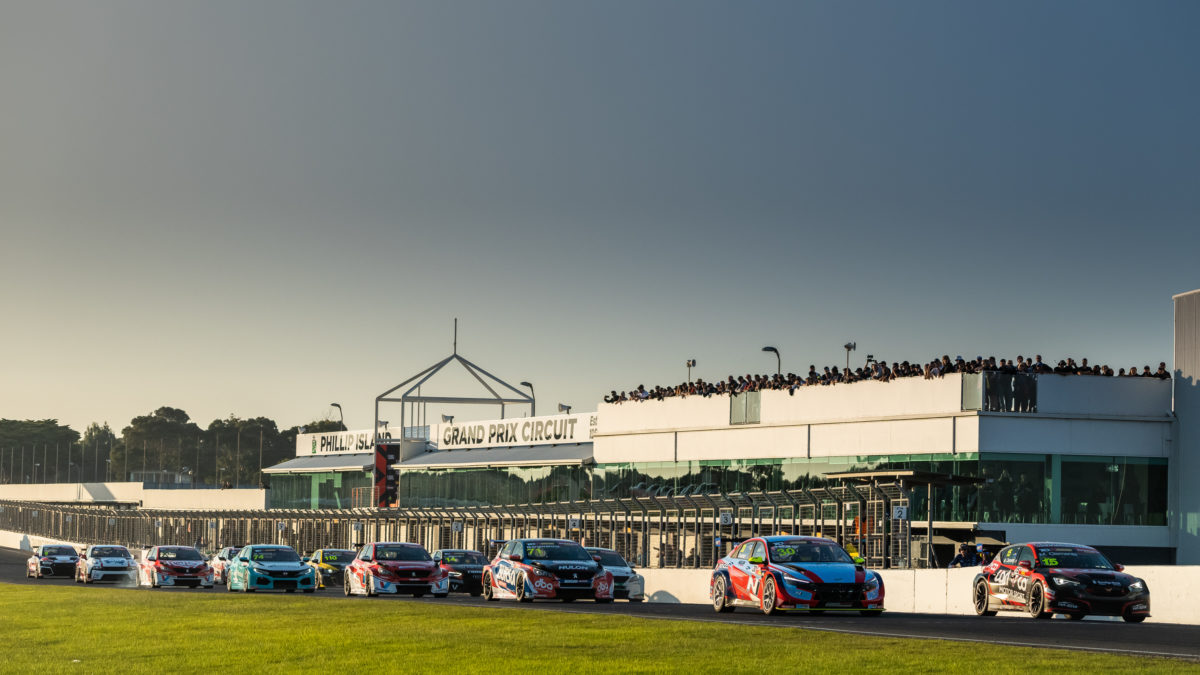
[134, 493]
[1172, 590]
[1011, 434]
[1184, 498]
[27, 542]
[1065, 394]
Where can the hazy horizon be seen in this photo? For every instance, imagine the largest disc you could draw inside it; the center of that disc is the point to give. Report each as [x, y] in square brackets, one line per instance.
[262, 208]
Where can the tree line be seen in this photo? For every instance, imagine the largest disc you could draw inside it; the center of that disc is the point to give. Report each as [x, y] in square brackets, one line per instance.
[165, 446]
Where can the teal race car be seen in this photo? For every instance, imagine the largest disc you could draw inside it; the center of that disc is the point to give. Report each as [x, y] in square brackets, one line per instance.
[269, 567]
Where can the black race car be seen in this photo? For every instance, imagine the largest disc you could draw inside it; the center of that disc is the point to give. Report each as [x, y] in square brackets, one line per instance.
[1044, 579]
[464, 567]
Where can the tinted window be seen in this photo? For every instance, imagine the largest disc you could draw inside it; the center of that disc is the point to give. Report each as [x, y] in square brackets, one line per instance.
[804, 551]
[1073, 557]
[463, 558]
[743, 551]
[179, 554]
[110, 552]
[1009, 555]
[57, 550]
[274, 555]
[1026, 555]
[400, 553]
[758, 552]
[555, 550]
[610, 558]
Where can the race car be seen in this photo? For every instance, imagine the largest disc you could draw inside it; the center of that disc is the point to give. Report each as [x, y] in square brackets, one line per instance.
[1044, 579]
[220, 563]
[330, 565]
[394, 567]
[627, 584]
[269, 567]
[528, 569]
[51, 560]
[174, 566]
[105, 562]
[463, 567]
[793, 573]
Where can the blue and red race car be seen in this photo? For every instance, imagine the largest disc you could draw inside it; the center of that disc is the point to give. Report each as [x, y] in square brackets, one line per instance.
[790, 573]
[1044, 579]
[560, 569]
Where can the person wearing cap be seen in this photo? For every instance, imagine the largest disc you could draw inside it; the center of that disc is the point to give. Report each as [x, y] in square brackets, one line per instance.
[967, 557]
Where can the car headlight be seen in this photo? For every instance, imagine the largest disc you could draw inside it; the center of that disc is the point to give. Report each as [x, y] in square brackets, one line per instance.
[798, 580]
[1063, 582]
[872, 585]
[456, 575]
[260, 570]
[1138, 586]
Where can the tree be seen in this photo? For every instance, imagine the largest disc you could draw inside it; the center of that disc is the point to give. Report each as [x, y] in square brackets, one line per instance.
[26, 443]
[165, 440]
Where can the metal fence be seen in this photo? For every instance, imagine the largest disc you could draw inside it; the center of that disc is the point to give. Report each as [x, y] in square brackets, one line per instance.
[671, 532]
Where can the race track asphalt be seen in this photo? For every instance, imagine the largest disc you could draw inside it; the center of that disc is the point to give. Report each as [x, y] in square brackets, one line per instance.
[1116, 637]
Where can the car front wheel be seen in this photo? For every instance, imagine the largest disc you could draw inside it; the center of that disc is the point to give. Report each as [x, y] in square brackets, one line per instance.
[1037, 603]
[488, 595]
[769, 598]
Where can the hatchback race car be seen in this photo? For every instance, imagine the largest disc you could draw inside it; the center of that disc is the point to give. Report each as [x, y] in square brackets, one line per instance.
[627, 584]
[394, 567]
[330, 565]
[174, 566]
[529, 569]
[105, 563]
[267, 567]
[1043, 579]
[463, 567]
[51, 560]
[790, 573]
[220, 563]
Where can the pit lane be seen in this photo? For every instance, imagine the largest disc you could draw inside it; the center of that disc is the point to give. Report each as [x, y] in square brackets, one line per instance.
[1146, 639]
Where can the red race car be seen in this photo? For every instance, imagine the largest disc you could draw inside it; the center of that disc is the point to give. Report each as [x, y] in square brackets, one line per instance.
[394, 567]
[789, 573]
[1044, 579]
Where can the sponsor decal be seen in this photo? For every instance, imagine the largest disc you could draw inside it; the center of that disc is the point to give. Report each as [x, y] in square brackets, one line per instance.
[544, 585]
[752, 583]
[602, 588]
[1138, 607]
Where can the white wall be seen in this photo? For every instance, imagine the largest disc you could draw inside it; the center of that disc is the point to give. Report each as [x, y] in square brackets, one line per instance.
[942, 591]
[1136, 396]
[134, 493]
[27, 542]
[1011, 434]
[1090, 535]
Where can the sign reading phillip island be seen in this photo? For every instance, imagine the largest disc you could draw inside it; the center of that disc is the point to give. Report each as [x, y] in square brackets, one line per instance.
[335, 443]
[523, 431]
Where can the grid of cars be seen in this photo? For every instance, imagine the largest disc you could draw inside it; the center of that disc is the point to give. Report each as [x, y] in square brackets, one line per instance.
[771, 574]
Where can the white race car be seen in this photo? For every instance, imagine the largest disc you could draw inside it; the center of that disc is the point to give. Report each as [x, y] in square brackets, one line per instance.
[51, 560]
[105, 562]
[627, 584]
[174, 566]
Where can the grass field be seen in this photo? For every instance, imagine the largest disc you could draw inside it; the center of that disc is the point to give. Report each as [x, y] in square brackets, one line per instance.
[48, 630]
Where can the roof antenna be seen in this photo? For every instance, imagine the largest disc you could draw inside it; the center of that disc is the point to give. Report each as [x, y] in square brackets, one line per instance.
[456, 335]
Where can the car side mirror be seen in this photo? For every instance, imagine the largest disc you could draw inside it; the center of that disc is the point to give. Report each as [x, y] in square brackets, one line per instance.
[1025, 565]
[304, 560]
[83, 556]
[596, 558]
[515, 556]
[757, 560]
[859, 560]
[1119, 567]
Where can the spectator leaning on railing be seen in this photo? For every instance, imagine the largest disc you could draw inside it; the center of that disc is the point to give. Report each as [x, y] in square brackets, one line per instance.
[879, 371]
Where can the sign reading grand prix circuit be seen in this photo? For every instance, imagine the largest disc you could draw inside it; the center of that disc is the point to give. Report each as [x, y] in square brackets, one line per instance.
[548, 430]
[335, 443]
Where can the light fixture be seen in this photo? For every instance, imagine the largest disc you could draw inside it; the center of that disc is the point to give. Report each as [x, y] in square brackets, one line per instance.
[849, 346]
[448, 419]
[532, 399]
[690, 363]
[778, 361]
[564, 408]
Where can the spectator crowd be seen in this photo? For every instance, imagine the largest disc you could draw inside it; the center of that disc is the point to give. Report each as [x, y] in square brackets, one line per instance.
[880, 371]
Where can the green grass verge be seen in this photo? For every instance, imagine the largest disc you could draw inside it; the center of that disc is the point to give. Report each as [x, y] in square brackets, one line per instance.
[68, 629]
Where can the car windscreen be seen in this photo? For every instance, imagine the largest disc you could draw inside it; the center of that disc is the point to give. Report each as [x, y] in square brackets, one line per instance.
[110, 552]
[179, 554]
[802, 551]
[274, 555]
[610, 558]
[1077, 558]
[555, 550]
[342, 557]
[400, 553]
[57, 550]
[463, 558]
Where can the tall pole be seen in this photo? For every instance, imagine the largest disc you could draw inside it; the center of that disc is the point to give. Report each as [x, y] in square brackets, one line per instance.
[237, 462]
[260, 436]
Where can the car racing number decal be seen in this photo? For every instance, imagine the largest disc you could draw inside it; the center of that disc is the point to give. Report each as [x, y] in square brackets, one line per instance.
[1050, 562]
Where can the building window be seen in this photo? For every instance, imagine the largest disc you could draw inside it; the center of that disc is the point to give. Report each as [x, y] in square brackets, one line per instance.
[744, 408]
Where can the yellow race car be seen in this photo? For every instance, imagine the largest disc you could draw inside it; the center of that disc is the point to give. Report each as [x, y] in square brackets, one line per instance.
[330, 565]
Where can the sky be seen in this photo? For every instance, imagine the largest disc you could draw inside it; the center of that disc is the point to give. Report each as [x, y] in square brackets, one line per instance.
[262, 208]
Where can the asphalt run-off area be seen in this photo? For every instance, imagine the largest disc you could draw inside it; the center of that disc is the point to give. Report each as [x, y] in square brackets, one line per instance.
[1114, 637]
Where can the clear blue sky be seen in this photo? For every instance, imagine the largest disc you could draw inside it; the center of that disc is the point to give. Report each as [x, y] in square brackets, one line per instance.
[261, 207]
